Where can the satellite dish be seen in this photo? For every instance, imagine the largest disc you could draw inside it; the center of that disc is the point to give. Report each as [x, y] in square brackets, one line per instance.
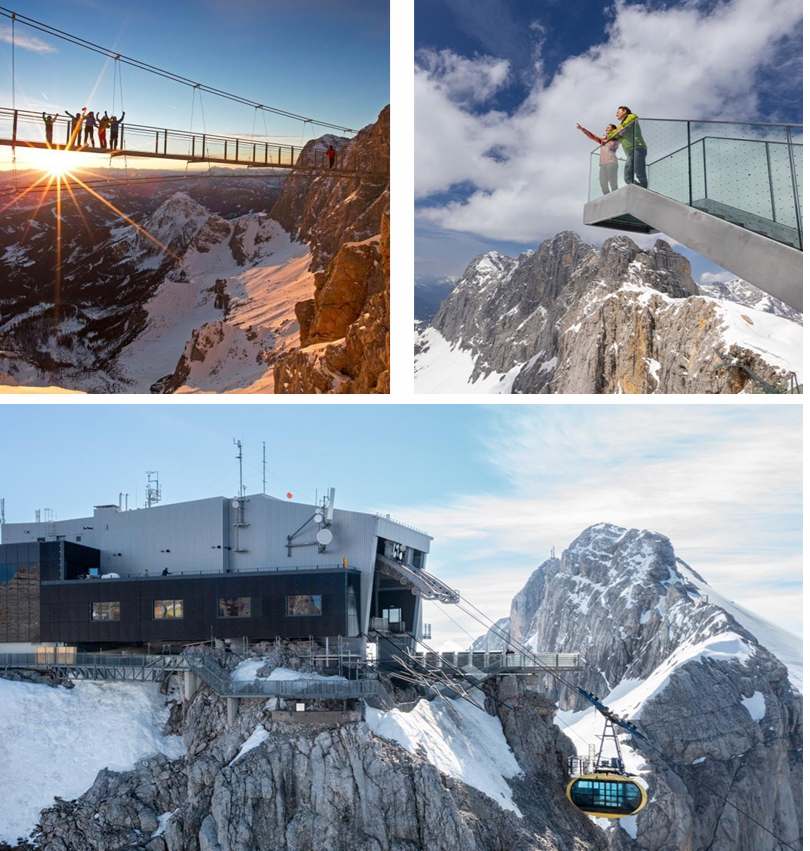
[235, 503]
[318, 518]
[324, 537]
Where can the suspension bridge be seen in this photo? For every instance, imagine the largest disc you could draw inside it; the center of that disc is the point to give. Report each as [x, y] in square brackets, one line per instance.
[27, 130]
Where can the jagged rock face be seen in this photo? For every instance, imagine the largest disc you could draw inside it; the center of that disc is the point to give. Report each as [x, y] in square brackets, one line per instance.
[309, 788]
[569, 318]
[351, 315]
[326, 211]
[631, 608]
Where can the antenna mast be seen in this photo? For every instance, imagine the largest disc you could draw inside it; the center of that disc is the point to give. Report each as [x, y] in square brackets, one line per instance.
[264, 467]
[2, 511]
[238, 444]
[153, 494]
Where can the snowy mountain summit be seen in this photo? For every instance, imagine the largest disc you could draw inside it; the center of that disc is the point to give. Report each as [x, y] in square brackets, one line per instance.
[573, 318]
[715, 687]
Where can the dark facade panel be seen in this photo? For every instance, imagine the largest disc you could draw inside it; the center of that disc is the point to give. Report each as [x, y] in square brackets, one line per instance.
[66, 607]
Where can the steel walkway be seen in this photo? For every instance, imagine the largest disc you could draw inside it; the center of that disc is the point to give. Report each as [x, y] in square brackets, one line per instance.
[156, 668]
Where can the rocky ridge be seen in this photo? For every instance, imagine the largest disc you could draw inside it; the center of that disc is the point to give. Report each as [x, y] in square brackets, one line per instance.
[311, 787]
[344, 328]
[571, 318]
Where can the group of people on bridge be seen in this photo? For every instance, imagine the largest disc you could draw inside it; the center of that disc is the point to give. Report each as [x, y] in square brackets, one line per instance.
[89, 121]
[628, 133]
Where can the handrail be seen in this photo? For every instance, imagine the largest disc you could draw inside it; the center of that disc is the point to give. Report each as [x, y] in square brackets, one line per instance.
[721, 139]
[219, 574]
[714, 121]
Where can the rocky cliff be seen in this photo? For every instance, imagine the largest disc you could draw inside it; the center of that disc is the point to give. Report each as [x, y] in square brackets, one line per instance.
[344, 328]
[710, 684]
[267, 784]
[571, 318]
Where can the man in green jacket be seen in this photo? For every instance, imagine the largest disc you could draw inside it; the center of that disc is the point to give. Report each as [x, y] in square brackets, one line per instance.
[635, 148]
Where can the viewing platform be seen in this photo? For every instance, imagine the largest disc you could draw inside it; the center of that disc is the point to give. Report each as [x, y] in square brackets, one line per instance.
[730, 191]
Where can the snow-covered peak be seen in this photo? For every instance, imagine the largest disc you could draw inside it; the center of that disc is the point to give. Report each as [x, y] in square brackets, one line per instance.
[485, 270]
[175, 223]
[748, 295]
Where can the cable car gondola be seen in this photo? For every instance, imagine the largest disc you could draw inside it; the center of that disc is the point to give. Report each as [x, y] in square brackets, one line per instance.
[607, 791]
[606, 794]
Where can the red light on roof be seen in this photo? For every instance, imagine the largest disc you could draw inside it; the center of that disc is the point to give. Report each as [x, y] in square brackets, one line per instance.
[289, 496]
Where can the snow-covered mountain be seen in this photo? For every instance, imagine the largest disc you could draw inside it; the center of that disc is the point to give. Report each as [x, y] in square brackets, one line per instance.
[714, 687]
[208, 289]
[571, 318]
[741, 292]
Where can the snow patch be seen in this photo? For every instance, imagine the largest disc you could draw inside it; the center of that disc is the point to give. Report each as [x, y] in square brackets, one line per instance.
[472, 749]
[54, 741]
[755, 705]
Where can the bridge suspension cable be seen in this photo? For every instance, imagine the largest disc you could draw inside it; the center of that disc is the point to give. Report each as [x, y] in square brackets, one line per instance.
[161, 72]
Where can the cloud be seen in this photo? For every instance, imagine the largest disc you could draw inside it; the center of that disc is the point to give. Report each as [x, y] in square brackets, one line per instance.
[716, 277]
[26, 42]
[716, 481]
[460, 79]
[527, 170]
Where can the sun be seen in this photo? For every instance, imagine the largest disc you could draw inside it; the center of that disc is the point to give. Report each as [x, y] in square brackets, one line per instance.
[55, 163]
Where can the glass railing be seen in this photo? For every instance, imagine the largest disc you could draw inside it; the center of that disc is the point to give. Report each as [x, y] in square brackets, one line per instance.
[748, 174]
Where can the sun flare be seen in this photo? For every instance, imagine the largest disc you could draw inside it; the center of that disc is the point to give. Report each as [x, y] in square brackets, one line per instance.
[56, 163]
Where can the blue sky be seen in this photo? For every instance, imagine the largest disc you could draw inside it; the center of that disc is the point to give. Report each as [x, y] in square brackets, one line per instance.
[497, 486]
[325, 60]
[500, 85]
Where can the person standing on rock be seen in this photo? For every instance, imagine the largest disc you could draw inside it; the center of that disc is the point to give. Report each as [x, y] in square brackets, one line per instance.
[629, 132]
[608, 161]
[331, 153]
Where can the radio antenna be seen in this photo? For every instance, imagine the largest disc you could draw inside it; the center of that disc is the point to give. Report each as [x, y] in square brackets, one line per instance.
[238, 444]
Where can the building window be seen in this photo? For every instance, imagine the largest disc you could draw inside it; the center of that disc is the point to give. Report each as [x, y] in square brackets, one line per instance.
[167, 610]
[304, 604]
[105, 611]
[234, 607]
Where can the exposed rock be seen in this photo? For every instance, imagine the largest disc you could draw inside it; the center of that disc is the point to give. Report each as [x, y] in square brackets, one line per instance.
[569, 318]
[324, 210]
[341, 291]
[623, 599]
[345, 329]
[305, 314]
[308, 788]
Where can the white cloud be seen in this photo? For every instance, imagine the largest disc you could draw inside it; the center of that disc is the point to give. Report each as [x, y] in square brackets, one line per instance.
[475, 80]
[720, 484]
[674, 63]
[716, 277]
[26, 42]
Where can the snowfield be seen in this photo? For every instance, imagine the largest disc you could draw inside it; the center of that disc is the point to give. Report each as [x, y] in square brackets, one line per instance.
[445, 368]
[472, 749]
[54, 741]
[261, 315]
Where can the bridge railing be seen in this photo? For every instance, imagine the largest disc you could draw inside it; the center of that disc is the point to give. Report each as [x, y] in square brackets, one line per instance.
[23, 126]
[750, 174]
[487, 660]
